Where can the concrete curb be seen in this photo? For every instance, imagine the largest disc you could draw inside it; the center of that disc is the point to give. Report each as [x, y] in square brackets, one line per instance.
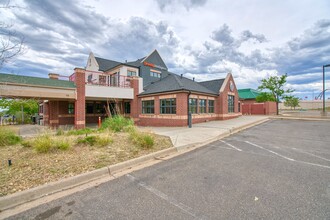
[221, 136]
[29, 195]
[300, 118]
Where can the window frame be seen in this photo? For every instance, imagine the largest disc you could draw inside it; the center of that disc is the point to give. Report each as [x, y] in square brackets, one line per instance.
[167, 106]
[71, 108]
[210, 107]
[129, 73]
[231, 104]
[193, 104]
[127, 105]
[202, 106]
[148, 106]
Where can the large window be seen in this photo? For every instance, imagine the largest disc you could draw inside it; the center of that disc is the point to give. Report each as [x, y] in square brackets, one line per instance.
[202, 106]
[231, 103]
[168, 106]
[89, 108]
[193, 106]
[131, 73]
[154, 74]
[100, 108]
[71, 108]
[211, 106]
[148, 107]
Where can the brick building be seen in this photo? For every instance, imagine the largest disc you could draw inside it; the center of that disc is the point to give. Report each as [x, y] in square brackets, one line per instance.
[143, 89]
[249, 105]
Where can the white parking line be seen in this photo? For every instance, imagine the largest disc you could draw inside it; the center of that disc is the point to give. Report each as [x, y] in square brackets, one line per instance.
[165, 197]
[232, 146]
[310, 154]
[287, 158]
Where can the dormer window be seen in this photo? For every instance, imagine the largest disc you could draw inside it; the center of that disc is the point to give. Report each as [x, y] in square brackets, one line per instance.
[155, 74]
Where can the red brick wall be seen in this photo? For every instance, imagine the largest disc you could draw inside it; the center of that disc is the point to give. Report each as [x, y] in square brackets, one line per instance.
[251, 107]
[79, 110]
[270, 108]
[135, 105]
[53, 113]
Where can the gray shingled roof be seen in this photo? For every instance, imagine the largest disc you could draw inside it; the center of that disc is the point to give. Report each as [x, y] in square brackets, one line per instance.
[105, 64]
[136, 63]
[213, 85]
[174, 82]
[29, 80]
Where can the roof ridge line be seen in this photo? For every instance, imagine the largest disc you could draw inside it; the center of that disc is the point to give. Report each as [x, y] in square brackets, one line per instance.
[178, 81]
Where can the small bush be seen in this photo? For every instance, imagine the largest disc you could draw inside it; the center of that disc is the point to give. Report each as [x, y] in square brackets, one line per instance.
[99, 141]
[8, 137]
[62, 145]
[142, 140]
[81, 131]
[46, 143]
[117, 123]
[42, 144]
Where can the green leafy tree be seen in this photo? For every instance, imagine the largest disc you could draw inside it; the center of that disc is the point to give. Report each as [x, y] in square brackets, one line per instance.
[14, 107]
[291, 101]
[265, 97]
[275, 85]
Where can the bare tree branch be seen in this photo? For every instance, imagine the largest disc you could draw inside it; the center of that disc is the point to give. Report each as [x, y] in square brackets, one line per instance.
[11, 43]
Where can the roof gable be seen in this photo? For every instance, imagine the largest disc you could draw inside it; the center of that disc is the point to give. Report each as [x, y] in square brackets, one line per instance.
[155, 59]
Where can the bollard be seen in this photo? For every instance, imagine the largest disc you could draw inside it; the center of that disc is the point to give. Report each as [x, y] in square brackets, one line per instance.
[9, 162]
[99, 123]
[189, 119]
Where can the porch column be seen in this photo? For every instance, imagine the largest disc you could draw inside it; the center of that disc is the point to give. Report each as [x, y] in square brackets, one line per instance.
[135, 102]
[79, 110]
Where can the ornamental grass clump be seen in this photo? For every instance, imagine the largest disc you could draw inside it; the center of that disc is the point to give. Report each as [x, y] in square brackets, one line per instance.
[95, 140]
[46, 143]
[8, 137]
[142, 140]
[117, 123]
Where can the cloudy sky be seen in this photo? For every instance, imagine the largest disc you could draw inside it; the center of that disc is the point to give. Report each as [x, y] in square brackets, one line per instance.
[204, 39]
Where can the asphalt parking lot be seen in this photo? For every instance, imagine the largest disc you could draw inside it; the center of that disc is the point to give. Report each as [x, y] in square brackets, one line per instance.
[276, 170]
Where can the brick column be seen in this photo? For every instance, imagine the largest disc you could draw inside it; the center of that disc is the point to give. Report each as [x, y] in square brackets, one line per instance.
[53, 114]
[135, 108]
[46, 113]
[79, 109]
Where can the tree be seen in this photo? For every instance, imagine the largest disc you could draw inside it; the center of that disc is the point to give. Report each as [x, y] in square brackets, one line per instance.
[265, 97]
[14, 107]
[291, 101]
[11, 43]
[275, 85]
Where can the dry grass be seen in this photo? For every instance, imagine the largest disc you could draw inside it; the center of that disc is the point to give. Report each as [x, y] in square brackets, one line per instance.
[30, 169]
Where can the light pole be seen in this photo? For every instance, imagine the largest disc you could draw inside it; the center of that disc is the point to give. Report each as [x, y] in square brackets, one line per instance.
[324, 66]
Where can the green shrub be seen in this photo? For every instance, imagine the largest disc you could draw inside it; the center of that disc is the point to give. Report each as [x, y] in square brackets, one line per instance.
[142, 140]
[99, 141]
[42, 143]
[117, 123]
[81, 131]
[46, 143]
[8, 137]
[62, 144]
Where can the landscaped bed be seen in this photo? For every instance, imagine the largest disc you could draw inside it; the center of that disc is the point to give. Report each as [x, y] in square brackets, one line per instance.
[50, 157]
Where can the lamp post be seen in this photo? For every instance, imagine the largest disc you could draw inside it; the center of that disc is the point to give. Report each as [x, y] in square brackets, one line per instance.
[324, 66]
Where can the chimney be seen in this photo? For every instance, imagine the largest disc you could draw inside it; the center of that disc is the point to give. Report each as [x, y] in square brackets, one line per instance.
[53, 75]
[194, 79]
[125, 61]
[181, 76]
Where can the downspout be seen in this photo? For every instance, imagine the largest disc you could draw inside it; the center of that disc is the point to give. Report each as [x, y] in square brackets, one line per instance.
[188, 112]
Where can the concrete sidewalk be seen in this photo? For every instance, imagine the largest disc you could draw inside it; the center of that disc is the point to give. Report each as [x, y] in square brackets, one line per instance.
[202, 133]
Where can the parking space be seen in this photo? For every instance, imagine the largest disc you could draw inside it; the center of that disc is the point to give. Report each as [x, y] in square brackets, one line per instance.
[276, 170]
